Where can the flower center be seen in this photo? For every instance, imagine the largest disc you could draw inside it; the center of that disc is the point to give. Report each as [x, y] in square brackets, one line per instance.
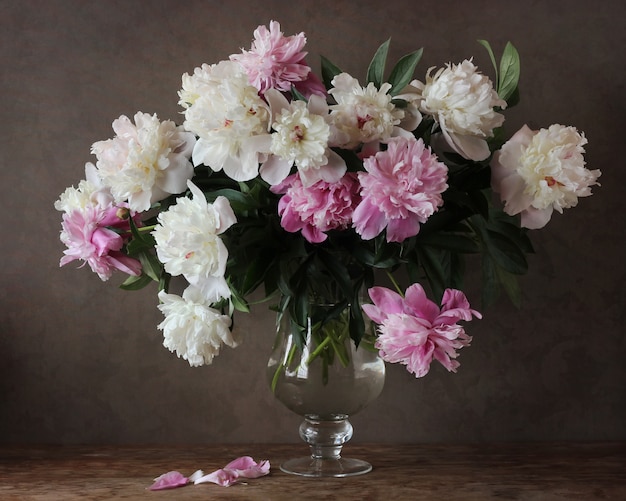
[297, 134]
[551, 181]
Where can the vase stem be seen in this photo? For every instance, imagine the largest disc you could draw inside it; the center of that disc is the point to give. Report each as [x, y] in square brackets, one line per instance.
[326, 437]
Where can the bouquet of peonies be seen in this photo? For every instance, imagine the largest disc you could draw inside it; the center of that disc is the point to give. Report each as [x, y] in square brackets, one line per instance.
[305, 187]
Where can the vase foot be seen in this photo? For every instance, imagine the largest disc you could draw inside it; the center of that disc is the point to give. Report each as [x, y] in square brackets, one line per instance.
[330, 467]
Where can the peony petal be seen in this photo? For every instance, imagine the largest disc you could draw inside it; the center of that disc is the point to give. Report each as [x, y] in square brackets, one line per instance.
[222, 477]
[419, 304]
[243, 467]
[169, 480]
[277, 102]
[533, 219]
[387, 300]
[470, 147]
[274, 170]
[226, 215]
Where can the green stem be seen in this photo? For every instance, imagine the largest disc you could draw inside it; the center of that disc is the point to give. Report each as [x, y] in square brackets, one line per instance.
[281, 367]
[318, 350]
[395, 284]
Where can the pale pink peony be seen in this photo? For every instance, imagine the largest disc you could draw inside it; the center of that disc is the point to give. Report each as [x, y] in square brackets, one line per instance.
[146, 161]
[277, 62]
[319, 208]
[401, 189]
[95, 236]
[537, 172]
[414, 331]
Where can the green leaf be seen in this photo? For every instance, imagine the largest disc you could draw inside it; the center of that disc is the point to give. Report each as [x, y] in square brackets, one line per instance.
[403, 71]
[511, 286]
[376, 69]
[297, 95]
[490, 282]
[487, 46]
[133, 283]
[329, 71]
[454, 242]
[509, 72]
[338, 271]
[238, 301]
[435, 273]
[238, 201]
[506, 253]
[150, 265]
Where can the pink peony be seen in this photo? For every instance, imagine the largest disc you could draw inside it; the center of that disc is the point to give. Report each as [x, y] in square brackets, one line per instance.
[94, 235]
[401, 189]
[318, 208]
[414, 331]
[277, 62]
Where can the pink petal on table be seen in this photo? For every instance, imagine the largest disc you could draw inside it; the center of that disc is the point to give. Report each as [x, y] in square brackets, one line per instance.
[255, 470]
[222, 477]
[169, 480]
[243, 467]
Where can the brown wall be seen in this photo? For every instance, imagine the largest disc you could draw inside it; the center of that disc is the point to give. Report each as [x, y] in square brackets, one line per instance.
[81, 361]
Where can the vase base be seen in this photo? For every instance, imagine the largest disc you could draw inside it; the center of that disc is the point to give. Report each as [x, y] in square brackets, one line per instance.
[317, 467]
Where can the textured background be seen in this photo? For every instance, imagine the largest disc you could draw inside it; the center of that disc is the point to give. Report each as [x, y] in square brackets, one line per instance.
[82, 361]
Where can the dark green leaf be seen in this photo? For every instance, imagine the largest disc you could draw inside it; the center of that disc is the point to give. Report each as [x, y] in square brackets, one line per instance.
[402, 73]
[506, 253]
[297, 95]
[435, 273]
[329, 71]
[135, 283]
[238, 201]
[511, 286]
[376, 69]
[150, 265]
[451, 241]
[490, 282]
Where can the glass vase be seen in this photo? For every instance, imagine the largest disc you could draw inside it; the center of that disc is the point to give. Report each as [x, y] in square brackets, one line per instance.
[318, 373]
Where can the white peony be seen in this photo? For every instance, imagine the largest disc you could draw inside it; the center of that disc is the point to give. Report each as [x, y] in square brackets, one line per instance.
[192, 328]
[537, 172]
[462, 102]
[300, 137]
[362, 114]
[146, 161]
[228, 116]
[188, 242]
[90, 192]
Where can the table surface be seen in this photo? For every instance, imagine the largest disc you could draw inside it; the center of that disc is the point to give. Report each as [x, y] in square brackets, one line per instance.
[519, 471]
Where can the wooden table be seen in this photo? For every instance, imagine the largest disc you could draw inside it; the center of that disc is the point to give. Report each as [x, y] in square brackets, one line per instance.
[530, 471]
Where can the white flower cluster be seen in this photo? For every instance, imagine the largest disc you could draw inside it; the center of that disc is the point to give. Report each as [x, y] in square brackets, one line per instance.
[188, 244]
